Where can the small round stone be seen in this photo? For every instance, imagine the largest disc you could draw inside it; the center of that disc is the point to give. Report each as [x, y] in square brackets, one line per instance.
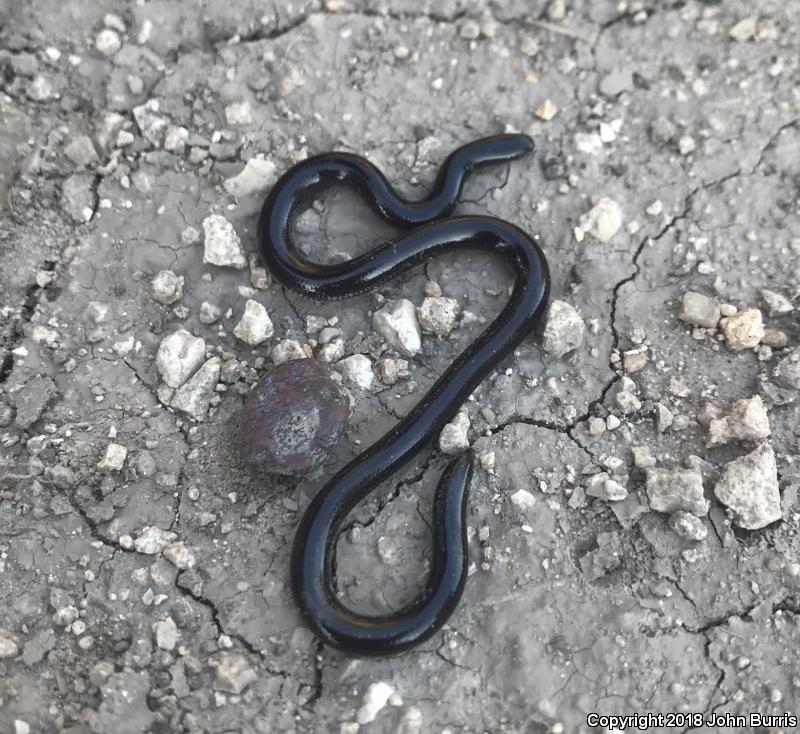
[293, 418]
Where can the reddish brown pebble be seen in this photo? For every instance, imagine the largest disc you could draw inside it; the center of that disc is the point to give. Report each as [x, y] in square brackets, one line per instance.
[293, 418]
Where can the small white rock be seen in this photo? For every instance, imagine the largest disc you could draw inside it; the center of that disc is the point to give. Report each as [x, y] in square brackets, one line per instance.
[603, 487]
[107, 42]
[686, 145]
[595, 426]
[664, 417]
[239, 113]
[287, 349]
[546, 111]
[114, 458]
[166, 633]
[589, 143]
[397, 323]
[259, 277]
[674, 490]
[194, 396]
[190, 235]
[743, 330]
[167, 287]
[643, 457]
[556, 10]
[331, 352]
[257, 175]
[180, 555]
[523, 499]
[453, 439]
[81, 151]
[747, 420]
[745, 29]
[603, 220]
[438, 315]
[151, 540]
[627, 402]
[149, 121]
[179, 355]
[175, 139]
[209, 313]
[98, 312]
[614, 491]
[688, 526]
[234, 673]
[8, 648]
[777, 304]
[563, 332]
[487, 459]
[374, 700]
[255, 326]
[357, 369]
[749, 487]
[700, 310]
[40, 89]
[222, 244]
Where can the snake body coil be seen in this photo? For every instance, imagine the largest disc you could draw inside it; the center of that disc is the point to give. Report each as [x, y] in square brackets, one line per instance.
[427, 233]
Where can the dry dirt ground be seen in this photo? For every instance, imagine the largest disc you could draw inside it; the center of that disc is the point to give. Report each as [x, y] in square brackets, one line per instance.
[144, 589]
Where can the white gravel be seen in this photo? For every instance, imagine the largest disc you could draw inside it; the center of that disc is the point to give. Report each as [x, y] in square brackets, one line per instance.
[151, 540]
[453, 439]
[178, 357]
[167, 287]
[688, 526]
[257, 175]
[108, 42]
[165, 633]
[749, 487]
[194, 395]
[673, 490]
[523, 500]
[357, 369]
[777, 304]
[114, 458]
[700, 310]
[234, 673]
[602, 221]
[438, 315]
[239, 113]
[375, 698]
[287, 349]
[254, 326]
[397, 322]
[743, 330]
[222, 244]
[747, 420]
[564, 330]
[180, 555]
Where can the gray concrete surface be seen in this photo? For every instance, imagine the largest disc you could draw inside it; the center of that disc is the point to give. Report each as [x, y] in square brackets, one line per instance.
[685, 114]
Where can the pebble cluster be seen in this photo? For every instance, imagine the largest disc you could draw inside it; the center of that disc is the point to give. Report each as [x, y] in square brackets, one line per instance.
[747, 486]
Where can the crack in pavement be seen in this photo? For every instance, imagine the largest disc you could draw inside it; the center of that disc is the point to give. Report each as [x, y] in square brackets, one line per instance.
[221, 629]
[30, 302]
[382, 505]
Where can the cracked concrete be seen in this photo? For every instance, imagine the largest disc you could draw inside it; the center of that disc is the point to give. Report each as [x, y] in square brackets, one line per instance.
[574, 604]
